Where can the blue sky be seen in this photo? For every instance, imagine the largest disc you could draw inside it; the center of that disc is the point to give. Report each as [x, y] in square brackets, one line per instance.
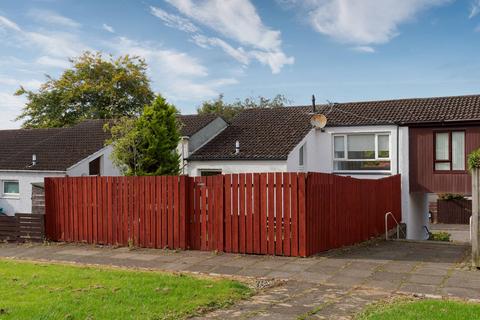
[339, 50]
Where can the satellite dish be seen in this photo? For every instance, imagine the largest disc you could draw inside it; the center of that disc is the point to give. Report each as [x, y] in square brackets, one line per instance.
[318, 121]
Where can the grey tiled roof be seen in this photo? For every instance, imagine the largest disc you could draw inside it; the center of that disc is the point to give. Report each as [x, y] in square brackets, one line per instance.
[271, 134]
[55, 149]
[193, 123]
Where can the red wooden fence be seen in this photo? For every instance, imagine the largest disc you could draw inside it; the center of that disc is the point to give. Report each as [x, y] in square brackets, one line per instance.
[291, 214]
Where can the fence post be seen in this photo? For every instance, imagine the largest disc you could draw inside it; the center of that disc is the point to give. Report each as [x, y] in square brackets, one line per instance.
[302, 216]
[476, 217]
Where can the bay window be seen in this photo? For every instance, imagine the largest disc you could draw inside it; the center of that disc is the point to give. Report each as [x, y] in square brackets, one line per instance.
[362, 152]
[449, 151]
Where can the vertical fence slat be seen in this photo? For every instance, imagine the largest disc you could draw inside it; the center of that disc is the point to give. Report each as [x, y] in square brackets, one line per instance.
[271, 213]
[228, 213]
[256, 213]
[241, 215]
[235, 244]
[263, 213]
[249, 235]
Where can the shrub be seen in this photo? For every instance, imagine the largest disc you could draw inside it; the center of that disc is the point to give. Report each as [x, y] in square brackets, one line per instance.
[450, 196]
[474, 160]
[439, 236]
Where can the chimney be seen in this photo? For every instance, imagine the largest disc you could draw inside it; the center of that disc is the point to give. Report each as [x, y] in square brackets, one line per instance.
[34, 159]
[314, 107]
[237, 147]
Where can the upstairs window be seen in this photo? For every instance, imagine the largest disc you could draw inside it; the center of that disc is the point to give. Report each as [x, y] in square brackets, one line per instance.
[361, 152]
[450, 151]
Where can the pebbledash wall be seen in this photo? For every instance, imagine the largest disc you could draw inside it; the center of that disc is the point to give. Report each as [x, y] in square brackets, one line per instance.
[318, 157]
[23, 202]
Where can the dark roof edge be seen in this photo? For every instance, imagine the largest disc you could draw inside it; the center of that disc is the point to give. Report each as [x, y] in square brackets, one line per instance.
[239, 158]
[432, 123]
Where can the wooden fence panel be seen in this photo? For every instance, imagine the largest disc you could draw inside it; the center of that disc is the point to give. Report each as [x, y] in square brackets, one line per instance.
[290, 214]
[343, 211]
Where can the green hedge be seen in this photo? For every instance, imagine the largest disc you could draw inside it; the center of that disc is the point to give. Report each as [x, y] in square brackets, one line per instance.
[474, 160]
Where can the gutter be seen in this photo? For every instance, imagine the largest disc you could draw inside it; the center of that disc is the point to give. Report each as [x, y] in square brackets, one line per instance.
[33, 171]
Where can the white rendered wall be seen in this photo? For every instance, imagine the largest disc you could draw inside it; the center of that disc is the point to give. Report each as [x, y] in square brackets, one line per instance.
[319, 150]
[236, 166]
[417, 216]
[22, 203]
[107, 168]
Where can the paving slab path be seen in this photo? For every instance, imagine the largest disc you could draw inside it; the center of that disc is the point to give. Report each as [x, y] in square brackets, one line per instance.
[333, 285]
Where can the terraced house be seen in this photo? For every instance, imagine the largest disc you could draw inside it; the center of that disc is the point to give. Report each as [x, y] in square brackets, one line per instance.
[425, 140]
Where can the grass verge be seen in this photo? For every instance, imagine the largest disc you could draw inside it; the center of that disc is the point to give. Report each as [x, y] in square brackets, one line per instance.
[52, 291]
[427, 309]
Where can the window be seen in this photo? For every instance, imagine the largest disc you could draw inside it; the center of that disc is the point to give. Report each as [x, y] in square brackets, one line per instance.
[361, 152]
[208, 173]
[11, 188]
[450, 151]
[94, 167]
[301, 156]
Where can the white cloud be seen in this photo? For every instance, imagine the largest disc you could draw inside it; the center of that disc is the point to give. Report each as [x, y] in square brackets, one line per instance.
[6, 23]
[365, 49]
[108, 28]
[9, 107]
[237, 20]
[474, 9]
[177, 74]
[363, 23]
[238, 54]
[174, 21]
[53, 62]
[50, 17]
[56, 44]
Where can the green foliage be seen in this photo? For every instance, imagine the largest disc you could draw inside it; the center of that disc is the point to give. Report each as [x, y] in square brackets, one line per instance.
[439, 236]
[48, 291]
[229, 110]
[451, 196]
[147, 145]
[427, 309]
[94, 88]
[474, 160]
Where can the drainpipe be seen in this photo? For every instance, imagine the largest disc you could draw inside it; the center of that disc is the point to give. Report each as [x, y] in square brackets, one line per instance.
[398, 148]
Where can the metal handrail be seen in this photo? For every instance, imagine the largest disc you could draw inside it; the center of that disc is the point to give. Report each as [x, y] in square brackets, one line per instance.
[397, 223]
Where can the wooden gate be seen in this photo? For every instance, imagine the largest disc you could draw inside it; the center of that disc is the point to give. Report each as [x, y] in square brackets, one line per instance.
[205, 213]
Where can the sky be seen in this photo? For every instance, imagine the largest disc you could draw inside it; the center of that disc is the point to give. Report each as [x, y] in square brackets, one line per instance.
[339, 50]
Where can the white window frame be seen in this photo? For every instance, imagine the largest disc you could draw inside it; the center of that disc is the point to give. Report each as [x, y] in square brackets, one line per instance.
[377, 158]
[301, 155]
[10, 195]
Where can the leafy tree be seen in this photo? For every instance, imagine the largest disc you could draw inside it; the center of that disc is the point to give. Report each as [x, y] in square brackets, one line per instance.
[229, 110]
[147, 145]
[94, 88]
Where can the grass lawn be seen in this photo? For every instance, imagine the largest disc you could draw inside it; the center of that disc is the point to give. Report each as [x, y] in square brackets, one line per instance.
[51, 291]
[422, 310]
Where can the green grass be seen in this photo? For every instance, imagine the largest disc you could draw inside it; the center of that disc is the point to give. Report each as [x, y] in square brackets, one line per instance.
[422, 310]
[52, 291]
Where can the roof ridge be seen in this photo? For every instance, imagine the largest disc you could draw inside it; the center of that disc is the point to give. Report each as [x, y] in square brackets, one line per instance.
[391, 100]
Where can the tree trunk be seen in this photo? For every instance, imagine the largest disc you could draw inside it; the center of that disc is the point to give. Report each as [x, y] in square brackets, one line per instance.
[476, 218]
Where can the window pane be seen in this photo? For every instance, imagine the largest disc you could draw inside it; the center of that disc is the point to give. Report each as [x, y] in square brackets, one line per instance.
[441, 166]
[339, 147]
[301, 153]
[361, 146]
[383, 146]
[458, 150]
[441, 146]
[362, 165]
[11, 187]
